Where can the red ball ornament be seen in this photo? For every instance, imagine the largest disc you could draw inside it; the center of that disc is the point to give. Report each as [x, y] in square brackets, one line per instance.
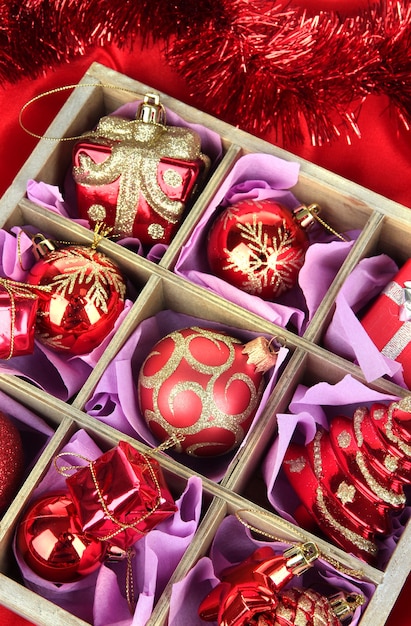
[86, 297]
[259, 246]
[50, 539]
[11, 460]
[200, 385]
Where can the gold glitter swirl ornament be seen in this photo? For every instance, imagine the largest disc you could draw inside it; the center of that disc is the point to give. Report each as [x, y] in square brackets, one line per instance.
[201, 385]
[136, 176]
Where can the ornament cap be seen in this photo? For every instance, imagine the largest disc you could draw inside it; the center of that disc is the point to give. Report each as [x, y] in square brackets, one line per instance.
[42, 246]
[300, 557]
[151, 111]
[261, 353]
[344, 604]
[305, 215]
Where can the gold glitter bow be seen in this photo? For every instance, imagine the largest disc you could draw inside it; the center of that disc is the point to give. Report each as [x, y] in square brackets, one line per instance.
[137, 148]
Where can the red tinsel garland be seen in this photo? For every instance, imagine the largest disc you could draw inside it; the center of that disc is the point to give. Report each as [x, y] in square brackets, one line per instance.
[258, 65]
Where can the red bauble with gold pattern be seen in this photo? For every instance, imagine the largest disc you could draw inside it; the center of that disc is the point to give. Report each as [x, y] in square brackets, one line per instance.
[11, 460]
[50, 540]
[87, 292]
[199, 384]
[259, 246]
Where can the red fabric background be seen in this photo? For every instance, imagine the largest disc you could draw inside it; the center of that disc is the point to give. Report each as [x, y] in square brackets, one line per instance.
[381, 160]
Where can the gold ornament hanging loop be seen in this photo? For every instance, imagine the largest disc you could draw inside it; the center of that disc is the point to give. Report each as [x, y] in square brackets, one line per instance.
[56, 90]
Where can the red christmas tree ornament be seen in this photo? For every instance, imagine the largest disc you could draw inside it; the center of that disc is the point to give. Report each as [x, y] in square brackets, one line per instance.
[87, 292]
[388, 321]
[11, 461]
[137, 176]
[52, 543]
[259, 246]
[203, 387]
[120, 496]
[351, 477]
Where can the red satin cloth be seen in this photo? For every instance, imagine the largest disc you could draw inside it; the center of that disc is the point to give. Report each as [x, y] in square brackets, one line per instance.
[380, 160]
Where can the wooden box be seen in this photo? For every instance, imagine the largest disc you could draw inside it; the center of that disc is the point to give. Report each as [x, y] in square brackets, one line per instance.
[383, 227]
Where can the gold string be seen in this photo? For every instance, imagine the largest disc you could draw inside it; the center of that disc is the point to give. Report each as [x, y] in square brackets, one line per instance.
[336, 564]
[65, 469]
[313, 210]
[51, 92]
[131, 601]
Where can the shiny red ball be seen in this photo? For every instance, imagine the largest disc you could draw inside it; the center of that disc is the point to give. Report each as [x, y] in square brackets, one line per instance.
[257, 246]
[50, 539]
[11, 461]
[86, 297]
[197, 383]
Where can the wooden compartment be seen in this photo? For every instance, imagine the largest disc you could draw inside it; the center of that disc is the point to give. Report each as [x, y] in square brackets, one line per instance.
[382, 226]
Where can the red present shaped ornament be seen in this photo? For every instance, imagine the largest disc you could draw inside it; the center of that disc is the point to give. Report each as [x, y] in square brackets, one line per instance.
[18, 308]
[388, 321]
[136, 176]
[120, 496]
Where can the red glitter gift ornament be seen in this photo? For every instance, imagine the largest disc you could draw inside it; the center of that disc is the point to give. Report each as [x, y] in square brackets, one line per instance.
[120, 496]
[351, 477]
[259, 246]
[11, 460]
[87, 292]
[204, 387]
[136, 176]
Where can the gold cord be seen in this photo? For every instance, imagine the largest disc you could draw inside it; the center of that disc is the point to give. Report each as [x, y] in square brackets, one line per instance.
[51, 92]
[313, 210]
[336, 564]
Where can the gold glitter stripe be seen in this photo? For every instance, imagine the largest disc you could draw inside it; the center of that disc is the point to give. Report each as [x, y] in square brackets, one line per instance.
[358, 541]
[390, 497]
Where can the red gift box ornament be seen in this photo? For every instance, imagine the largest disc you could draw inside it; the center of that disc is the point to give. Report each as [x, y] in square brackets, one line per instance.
[120, 496]
[350, 478]
[388, 321]
[137, 175]
[18, 309]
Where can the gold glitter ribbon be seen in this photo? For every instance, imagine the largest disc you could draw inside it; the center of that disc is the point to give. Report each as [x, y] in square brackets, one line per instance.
[400, 340]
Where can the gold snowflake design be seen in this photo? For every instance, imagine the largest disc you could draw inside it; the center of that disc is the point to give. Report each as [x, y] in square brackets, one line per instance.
[266, 261]
[87, 267]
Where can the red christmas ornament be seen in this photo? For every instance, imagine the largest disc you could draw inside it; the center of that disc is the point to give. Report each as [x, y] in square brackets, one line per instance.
[200, 385]
[388, 321]
[11, 461]
[259, 246]
[50, 540]
[350, 478]
[252, 588]
[136, 176]
[18, 309]
[86, 296]
[120, 496]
